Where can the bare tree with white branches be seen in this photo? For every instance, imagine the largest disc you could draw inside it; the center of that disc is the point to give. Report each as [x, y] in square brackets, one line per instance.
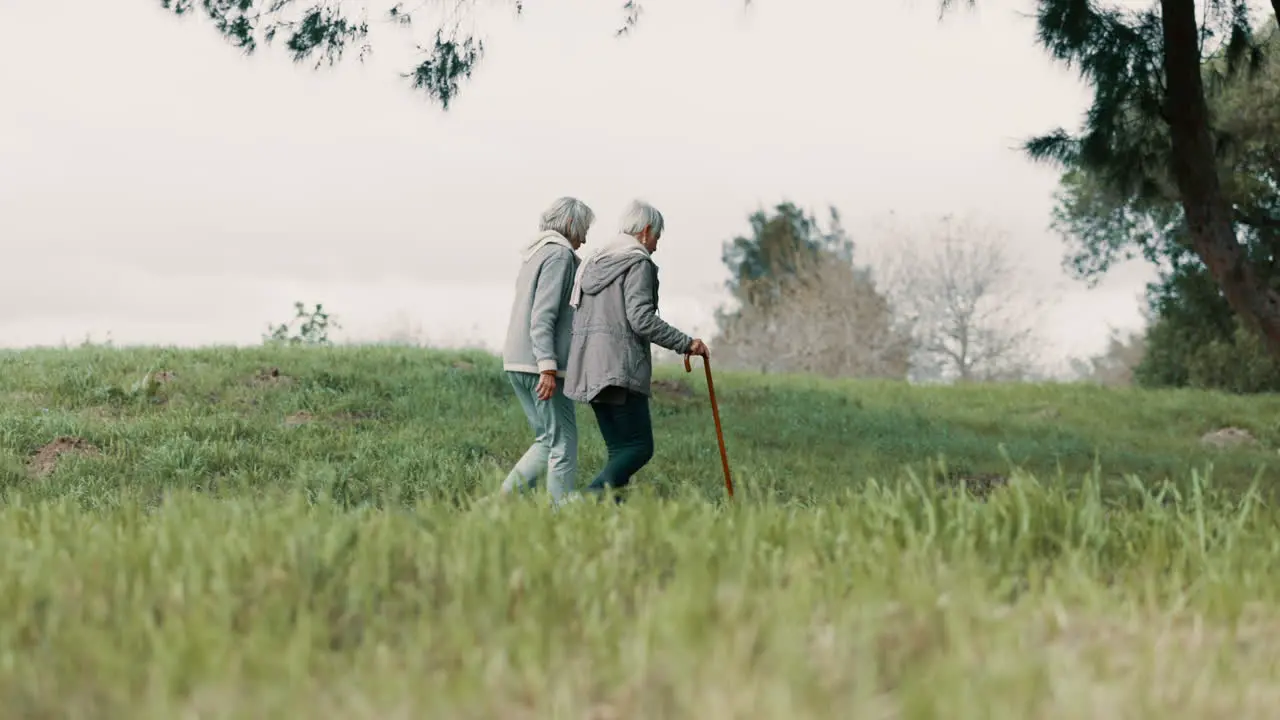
[972, 313]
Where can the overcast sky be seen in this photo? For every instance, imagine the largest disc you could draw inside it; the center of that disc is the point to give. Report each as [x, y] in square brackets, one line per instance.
[158, 187]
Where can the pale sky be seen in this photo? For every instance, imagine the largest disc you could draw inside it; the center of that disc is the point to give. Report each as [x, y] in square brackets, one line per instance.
[157, 187]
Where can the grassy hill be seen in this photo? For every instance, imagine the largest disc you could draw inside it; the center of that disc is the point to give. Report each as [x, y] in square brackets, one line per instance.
[292, 533]
[401, 425]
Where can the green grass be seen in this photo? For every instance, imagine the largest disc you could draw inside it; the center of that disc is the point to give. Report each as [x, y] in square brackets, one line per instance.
[218, 557]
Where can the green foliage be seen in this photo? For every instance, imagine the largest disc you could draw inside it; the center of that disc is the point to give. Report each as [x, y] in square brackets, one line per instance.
[1105, 219]
[781, 246]
[1194, 338]
[1118, 52]
[322, 31]
[451, 61]
[1101, 227]
[1125, 142]
[307, 327]
[219, 556]
[1240, 364]
[1140, 106]
[1183, 352]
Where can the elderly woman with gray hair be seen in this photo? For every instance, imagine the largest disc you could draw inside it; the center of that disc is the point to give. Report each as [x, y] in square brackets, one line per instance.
[536, 352]
[615, 297]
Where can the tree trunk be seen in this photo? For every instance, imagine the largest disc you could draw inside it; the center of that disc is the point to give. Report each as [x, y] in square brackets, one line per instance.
[1209, 216]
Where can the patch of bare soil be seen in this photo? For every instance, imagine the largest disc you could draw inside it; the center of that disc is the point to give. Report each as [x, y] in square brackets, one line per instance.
[45, 460]
[270, 377]
[299, 418]
[1228, 437]
[672, 389]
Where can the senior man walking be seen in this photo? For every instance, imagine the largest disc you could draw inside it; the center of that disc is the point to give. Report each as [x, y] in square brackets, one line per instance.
[536, 351]
[615, 296]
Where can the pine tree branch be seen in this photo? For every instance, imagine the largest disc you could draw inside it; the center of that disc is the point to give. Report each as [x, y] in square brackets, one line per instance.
[323, 30]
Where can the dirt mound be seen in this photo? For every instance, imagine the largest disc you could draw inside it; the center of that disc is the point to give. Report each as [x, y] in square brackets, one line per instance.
[1228, 437]
[672, 389]
[45, 460]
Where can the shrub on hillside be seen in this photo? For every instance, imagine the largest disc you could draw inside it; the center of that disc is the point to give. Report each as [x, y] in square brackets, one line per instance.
[1176, 358]
[308, 327]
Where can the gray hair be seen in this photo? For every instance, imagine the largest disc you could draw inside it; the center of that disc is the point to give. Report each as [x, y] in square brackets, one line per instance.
[639, 215]
[568, 216]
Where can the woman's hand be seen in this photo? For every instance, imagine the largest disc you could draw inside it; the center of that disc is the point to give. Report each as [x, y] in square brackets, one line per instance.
[546, 385]
[697, 347]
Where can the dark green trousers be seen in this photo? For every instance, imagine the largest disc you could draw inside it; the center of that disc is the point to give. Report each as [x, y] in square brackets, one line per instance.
[625, 425]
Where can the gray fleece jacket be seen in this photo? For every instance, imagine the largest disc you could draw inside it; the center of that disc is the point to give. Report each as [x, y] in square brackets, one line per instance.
[539, 328]
[615, 322]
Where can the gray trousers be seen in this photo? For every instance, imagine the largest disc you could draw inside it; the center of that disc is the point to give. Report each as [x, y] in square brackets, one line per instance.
[555, 439]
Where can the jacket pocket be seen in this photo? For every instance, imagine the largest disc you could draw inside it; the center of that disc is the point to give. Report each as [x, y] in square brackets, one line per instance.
[638, 365]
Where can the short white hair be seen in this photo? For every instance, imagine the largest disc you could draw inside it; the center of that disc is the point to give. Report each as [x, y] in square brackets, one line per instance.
[568, 216]
[639, 215]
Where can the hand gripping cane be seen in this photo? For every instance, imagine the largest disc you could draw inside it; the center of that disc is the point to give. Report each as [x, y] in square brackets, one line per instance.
[715, 412]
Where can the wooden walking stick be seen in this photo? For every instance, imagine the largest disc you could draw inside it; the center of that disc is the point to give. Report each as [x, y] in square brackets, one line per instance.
[715, 413]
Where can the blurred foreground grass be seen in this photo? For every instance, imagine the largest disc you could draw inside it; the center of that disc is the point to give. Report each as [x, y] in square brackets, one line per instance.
[903, 602]
[296, 533]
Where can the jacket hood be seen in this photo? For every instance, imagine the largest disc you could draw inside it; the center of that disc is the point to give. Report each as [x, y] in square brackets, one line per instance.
[607, 265]
[543, 238]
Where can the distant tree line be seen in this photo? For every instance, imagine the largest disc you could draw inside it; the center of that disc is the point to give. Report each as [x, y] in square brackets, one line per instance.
[948, 306]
